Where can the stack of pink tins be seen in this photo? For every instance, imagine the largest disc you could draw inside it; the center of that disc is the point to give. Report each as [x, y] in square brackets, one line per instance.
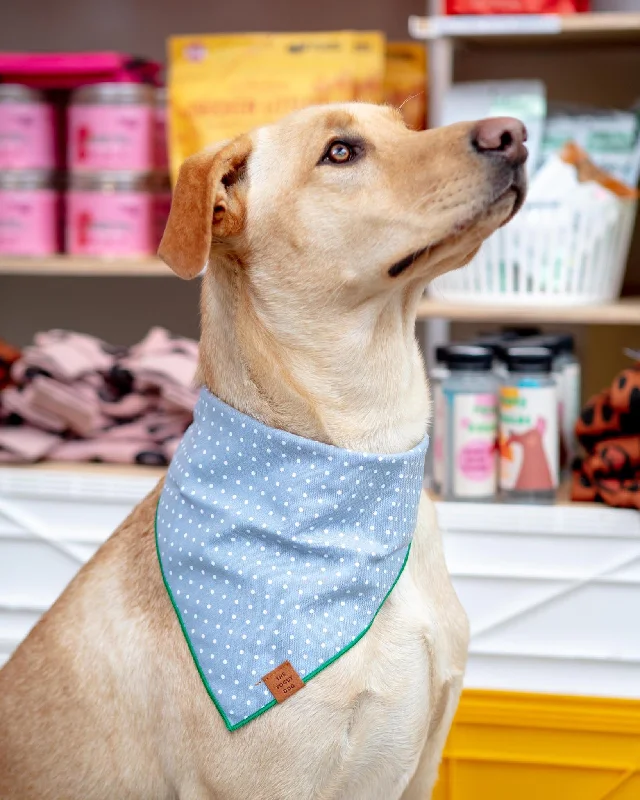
[117, 201]
[29, 197]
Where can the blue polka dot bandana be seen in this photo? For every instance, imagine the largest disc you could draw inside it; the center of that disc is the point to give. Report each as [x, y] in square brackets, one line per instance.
[276, 548]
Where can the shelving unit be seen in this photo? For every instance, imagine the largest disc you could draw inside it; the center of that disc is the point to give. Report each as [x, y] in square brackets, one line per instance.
[547, 587]
[445, 36]
[614, 28]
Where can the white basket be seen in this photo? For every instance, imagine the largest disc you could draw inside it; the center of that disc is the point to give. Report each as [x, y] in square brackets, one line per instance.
[552, 254]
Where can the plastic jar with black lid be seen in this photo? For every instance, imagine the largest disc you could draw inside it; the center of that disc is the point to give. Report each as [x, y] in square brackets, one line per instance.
[567, 374]
[529, 442]
[498, 344]
[471, 424]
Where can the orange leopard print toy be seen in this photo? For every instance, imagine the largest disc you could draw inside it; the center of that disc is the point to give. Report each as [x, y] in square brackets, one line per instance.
[609, 431]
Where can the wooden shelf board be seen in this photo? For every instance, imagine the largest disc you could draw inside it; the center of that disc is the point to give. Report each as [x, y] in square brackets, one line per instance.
[622, 312]
[79, 266]
[598, 28]
[563, 498]
[108, 471]
[116, 471]
[602, 23]
[93, 469]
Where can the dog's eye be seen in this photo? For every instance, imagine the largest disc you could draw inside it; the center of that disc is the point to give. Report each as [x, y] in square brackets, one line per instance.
[340, 152]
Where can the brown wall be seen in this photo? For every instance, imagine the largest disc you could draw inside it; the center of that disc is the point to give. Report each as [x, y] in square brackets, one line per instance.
[123, 310]
[141, 26]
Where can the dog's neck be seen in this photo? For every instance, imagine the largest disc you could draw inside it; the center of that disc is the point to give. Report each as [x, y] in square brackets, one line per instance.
[354, 379]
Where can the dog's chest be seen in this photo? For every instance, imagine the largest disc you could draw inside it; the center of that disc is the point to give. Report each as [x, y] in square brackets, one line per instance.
[363, 724]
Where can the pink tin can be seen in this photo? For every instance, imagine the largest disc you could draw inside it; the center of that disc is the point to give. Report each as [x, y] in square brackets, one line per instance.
[160, 129]
[111, 127]
[27, 129]
[110, 215]
[29, 214]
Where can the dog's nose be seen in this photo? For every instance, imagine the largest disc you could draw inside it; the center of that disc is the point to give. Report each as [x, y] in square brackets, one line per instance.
[501, 137]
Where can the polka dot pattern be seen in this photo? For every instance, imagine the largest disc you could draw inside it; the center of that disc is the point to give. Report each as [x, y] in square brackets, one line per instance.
[277, 548]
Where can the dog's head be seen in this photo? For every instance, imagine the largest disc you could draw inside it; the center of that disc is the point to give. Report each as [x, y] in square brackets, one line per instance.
[320, 233]
[345, 201]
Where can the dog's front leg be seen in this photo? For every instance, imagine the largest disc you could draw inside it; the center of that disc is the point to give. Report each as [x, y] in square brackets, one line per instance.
[426, 775]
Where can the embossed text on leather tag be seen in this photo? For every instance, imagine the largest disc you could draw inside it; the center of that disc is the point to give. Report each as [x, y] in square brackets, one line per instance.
[283, 682]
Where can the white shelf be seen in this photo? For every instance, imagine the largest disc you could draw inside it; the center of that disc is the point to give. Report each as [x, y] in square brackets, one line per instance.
[613, 28]
[550, 592]
[70, 481]
[570, 519]
[53, 518]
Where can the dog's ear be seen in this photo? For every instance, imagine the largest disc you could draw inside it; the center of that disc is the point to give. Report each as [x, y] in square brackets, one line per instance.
[208, 204]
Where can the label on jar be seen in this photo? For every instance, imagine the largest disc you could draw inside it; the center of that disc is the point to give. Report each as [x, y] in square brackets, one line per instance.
[475, 429]
[109, 224]
[529, 457]
[111, 137]
[439, 422]
[29, 222]
[27, 136]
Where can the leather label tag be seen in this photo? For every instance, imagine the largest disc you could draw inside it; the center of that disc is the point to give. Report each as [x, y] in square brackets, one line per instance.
[283, 682]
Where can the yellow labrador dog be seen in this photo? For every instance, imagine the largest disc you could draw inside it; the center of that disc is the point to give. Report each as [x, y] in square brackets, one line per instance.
[320, 232]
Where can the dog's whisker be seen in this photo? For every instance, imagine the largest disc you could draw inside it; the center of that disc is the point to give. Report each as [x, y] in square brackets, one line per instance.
[411, 97]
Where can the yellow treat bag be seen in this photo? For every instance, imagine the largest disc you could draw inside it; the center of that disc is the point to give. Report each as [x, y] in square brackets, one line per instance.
[368, 66]
[405, 81]
[222, 86]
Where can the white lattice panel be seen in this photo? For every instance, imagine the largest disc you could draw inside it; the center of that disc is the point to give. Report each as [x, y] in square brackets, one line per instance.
[552, 593]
